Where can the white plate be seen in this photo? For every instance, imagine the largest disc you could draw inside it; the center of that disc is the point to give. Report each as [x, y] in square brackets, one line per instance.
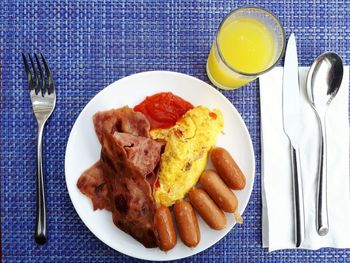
[83, 149]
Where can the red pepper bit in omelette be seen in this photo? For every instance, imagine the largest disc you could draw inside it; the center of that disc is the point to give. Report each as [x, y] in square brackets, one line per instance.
[178, 133]
[213, 115]
[163, 109]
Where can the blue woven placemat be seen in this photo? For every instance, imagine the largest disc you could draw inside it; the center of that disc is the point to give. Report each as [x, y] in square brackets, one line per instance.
[90, 44]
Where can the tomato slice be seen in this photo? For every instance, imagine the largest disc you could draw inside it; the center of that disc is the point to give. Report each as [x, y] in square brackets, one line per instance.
[163, 109]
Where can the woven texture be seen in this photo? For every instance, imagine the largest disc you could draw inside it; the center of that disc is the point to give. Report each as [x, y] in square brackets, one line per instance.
[90, 44]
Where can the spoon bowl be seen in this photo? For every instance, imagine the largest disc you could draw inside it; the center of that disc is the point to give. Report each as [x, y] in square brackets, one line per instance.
[324, 79]
[323, 82]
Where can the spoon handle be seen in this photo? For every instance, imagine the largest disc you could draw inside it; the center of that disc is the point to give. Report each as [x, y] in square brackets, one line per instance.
[298, 197]
[322, 210]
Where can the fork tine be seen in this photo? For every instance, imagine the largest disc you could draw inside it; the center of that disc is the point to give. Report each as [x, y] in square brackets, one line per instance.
[51, 86]
[42, 76]
[36, 78]
[27, 70]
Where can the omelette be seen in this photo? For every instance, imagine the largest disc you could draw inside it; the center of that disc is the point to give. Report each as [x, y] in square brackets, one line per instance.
[185, 156]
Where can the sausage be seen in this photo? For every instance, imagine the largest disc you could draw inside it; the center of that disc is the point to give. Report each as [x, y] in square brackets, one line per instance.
[164, 228]
[187, 223]
[207, 209]
[218, 191]
[227, 168]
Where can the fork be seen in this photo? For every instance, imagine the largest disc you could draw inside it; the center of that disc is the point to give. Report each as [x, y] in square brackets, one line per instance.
[43, 97]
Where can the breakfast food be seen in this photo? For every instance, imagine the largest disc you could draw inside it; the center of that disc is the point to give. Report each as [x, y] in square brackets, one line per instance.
[92, 184]
[163, 109]
[151, 158]
[164, 228]
[186, 152]
[187, 223]
[133, 206]
[227, 168]
[207, 209]
[129, 165]
[123, 120]
[219, 191]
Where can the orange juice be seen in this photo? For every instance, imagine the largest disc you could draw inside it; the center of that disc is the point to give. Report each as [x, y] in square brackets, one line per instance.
[247, 46]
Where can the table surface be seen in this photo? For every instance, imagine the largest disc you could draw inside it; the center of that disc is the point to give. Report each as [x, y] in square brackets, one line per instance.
[90, 44]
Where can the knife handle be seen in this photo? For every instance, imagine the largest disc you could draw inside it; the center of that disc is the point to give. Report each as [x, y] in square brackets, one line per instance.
[298, 197]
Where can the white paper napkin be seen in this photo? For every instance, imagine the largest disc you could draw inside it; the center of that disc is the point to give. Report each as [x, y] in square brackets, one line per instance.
[277, 195]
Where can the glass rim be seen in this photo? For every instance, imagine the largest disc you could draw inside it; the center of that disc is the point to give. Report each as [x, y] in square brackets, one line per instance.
[254, 74]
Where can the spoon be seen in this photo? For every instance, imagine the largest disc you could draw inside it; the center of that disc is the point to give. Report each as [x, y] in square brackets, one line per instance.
[323, 82]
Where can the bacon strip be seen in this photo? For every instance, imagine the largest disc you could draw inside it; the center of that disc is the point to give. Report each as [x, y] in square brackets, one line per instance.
[92, 184]
[133, 205]
[143, 152]
[122, 180]
[121, 120]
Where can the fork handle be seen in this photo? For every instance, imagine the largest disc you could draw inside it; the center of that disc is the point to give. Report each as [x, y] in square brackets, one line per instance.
[40, 222]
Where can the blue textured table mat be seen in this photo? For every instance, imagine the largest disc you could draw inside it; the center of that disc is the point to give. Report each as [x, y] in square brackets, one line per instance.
[90, 44]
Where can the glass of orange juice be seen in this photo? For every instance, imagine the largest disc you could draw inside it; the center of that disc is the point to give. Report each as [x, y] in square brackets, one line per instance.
[249, 42]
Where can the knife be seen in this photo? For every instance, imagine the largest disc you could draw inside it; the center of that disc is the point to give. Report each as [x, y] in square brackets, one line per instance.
[293, 128]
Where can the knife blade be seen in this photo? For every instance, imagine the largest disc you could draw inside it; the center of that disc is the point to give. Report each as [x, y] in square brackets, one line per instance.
[293, 128]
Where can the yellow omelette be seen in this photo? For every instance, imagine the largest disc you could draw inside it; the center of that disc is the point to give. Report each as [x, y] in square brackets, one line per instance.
[186, 152]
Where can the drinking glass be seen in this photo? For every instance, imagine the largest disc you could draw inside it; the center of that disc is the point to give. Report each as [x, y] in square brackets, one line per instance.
[248, 43]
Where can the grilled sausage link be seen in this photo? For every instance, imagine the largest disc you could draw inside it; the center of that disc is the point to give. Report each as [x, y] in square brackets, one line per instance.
[207, 209]
[227, 169]
[164, 228]
[218, 191]
[187, 223]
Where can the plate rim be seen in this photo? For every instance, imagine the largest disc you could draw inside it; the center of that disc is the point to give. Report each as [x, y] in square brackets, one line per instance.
[183, 75]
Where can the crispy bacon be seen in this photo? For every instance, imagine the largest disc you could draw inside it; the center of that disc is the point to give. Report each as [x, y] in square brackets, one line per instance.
[121, 120]
[133, 205]
[122, 181]
[143, 152]
[92, 184]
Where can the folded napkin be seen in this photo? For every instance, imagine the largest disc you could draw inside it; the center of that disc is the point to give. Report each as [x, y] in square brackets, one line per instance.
[277, 195]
